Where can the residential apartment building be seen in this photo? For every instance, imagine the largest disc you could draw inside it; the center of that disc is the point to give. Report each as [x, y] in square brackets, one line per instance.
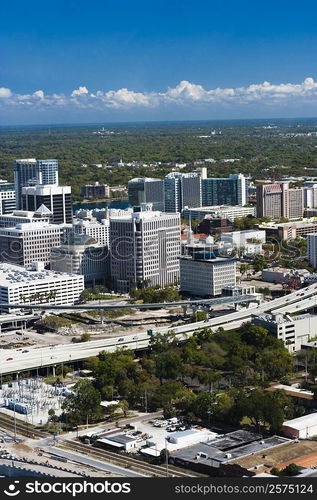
[146, 190]
[19, 285]
[279, 200]
[95, 191]
[230, 190]
[204, 275]
[144, 249]
[57, 199]
[30, 172]
[7, 197]
[27, 243]
[182, 190]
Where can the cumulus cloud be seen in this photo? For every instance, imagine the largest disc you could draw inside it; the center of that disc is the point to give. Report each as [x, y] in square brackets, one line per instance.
[184, 93]
[80, 91]
[5, 93]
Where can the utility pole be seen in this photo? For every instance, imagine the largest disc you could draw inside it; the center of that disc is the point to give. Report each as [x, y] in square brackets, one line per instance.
[145, 400]
[15, 423]
[166, 457]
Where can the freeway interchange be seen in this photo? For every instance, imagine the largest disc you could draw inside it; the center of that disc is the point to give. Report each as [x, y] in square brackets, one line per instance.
[15, 361]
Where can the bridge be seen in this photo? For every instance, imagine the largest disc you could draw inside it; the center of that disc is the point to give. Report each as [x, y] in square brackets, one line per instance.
[13, 361]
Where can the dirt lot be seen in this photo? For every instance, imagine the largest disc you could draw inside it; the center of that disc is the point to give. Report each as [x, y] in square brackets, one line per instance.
[302, 453]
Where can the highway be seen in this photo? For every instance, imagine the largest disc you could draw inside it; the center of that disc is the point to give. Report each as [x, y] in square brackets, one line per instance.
[13, 361]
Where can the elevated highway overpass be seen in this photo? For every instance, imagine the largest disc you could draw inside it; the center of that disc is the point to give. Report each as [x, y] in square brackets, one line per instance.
[37, 357]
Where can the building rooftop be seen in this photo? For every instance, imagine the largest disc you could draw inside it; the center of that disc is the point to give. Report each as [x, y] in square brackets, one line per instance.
[206, 452]
[292, 391]
[303, 422]
[11, 274]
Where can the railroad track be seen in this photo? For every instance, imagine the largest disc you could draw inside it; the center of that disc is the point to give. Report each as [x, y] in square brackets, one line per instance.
[123, 461]
[22, 428]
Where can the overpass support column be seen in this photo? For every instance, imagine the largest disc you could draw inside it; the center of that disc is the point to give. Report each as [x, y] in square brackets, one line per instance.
[54, 371]
[102, 316]
[184, 310]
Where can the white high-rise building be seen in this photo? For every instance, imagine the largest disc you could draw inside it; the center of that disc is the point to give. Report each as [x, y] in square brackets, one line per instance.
[28, 243]
[312, 249]
[310, 194]
[144, 249]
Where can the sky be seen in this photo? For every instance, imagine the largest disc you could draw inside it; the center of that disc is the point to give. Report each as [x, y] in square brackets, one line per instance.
[100, 61]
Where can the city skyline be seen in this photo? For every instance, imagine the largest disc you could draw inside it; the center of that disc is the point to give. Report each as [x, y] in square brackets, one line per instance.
[122, 62]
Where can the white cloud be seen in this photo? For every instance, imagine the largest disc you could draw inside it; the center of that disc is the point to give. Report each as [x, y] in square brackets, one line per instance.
[80, 91]
[185, 93]
[5, 93]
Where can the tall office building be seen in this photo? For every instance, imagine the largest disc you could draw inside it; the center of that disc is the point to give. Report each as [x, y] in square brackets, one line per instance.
[312, 249]
[224, 191]
[57, 199]
[7, 197]
[30, 172]
[146, 190]
[28, 243]
[182, 190]
[278, 200]
[144, 249]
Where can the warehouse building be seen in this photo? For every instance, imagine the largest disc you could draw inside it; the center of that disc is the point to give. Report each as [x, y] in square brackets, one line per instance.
[302, 427]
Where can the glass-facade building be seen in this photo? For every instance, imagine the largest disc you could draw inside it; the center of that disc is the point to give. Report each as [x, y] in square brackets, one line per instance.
[31, 172]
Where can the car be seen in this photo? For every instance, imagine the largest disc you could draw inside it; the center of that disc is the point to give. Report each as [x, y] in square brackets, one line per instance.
[121, 339]
[135, 337]
[9, 359]
[53, 357]
[25, 350]
[125, 347]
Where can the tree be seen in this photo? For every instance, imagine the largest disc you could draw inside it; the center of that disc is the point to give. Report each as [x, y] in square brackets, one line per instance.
[244, 268]
[291, 470]
[83, 404]
[198, 316]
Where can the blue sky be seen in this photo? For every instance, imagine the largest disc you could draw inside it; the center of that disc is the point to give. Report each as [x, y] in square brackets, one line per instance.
[76, 61]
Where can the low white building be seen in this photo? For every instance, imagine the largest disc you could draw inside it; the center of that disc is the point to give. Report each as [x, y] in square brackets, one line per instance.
[283, 274]
[240, 239]
[302, 427]
[293, 330]
[37, 285]
[224, 211]
[203, 276]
